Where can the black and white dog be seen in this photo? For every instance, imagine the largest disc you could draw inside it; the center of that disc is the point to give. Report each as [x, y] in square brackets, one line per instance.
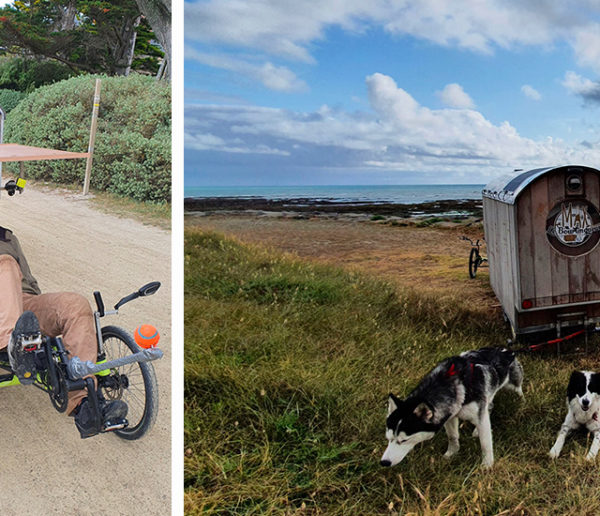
[461, 387]
[583, 405]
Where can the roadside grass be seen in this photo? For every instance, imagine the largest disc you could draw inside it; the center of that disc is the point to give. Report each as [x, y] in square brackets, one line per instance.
[154, 214]
[287, 369]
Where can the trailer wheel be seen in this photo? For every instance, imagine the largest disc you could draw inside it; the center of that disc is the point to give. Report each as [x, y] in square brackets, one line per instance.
[474, 261]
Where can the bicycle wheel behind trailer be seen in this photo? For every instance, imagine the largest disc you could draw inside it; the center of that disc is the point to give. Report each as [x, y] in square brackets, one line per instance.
[135, 383]
[474, 262]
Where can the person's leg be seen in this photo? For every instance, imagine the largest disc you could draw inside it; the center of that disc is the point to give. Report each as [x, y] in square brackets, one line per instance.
[70, 315]
[11, 300]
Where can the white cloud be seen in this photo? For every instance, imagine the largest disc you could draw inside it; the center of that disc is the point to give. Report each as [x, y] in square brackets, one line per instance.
[586, 44]
[277, 78]
[208, 141]
[454, 96]
[398, 134]
[585, 88]
[531, 92]
[288, 28]
[278, 27]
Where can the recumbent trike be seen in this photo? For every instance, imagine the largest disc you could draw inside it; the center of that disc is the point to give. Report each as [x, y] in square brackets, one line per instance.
[122, 371]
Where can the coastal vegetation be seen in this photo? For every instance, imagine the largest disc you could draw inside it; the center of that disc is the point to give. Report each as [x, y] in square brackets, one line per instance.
[288, 364]
[132, 153]
[51, 53]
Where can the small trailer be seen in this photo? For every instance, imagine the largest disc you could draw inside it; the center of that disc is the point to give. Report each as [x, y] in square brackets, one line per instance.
[542, 229]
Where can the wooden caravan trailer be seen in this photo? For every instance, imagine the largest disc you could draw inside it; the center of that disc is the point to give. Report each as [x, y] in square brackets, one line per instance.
[542, 229]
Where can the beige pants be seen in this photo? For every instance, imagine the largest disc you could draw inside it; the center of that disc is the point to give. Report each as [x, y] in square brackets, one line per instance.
[64, 313]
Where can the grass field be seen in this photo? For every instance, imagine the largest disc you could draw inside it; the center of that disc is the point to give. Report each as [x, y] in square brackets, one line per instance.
[288, 364]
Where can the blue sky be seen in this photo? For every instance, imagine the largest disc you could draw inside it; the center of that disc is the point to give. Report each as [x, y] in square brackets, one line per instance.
[287, 92]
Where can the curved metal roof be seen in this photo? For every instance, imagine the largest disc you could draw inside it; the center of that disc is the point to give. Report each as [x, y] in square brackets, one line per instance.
[508, 187]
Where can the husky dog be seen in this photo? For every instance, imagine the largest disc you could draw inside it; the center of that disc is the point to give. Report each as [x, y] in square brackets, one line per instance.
[461, 387]
[583, 405]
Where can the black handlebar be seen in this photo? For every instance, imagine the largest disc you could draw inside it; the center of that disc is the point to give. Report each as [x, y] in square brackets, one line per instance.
[146, 290]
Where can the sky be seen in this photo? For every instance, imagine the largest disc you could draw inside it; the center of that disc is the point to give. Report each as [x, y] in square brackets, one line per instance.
[333, 92]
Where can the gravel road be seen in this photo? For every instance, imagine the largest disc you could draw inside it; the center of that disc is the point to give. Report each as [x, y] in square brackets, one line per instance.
[46, 468]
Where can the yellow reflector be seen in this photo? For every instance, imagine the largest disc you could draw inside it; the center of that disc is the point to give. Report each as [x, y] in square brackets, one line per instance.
[21, 182]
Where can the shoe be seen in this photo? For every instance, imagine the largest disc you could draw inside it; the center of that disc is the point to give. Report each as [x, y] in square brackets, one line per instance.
[112, 417]
[25, 339]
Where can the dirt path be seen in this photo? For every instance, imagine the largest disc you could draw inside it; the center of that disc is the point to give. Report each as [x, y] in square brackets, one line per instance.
[46, 467]
[423, 258]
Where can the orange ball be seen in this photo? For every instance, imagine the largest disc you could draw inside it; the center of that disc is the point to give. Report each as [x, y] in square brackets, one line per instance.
[146, 336]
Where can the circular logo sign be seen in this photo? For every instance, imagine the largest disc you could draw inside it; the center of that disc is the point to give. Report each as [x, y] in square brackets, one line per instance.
[573, 227]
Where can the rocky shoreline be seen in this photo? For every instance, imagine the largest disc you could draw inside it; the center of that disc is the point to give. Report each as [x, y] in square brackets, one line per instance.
[314, 207]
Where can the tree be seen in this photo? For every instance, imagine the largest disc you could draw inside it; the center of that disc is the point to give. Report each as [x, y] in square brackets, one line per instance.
[158, 13]
[86, 35]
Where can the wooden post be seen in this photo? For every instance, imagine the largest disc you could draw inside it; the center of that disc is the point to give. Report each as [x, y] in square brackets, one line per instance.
[88, 165]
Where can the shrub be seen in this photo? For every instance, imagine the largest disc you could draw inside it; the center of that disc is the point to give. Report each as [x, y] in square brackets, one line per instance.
[26, 74]
[132, 154]
[9, 99]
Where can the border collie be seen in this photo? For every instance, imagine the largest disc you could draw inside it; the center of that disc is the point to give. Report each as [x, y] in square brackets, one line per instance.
[583, 405]
[461, 387]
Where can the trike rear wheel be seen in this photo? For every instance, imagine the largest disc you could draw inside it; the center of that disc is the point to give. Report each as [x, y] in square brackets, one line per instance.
[135, 383]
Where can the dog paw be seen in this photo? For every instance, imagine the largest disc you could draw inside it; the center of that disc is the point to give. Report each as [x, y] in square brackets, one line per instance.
[590, 457]
[475, 432]
[554, 453]
[450, 453]
[487, 463]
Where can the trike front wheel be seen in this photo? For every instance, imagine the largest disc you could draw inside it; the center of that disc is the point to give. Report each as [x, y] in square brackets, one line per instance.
[135, 383]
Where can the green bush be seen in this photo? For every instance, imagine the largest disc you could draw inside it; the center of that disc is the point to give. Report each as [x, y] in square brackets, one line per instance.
[132, 154]
[9, 99]
[26, 74]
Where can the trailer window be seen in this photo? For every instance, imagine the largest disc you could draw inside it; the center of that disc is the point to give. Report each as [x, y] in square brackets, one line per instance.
[574, 184]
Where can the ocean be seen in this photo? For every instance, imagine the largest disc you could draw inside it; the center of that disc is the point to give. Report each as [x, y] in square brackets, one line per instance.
[400, 194]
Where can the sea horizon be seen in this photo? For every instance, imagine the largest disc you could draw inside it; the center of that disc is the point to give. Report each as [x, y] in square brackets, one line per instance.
[402, 194]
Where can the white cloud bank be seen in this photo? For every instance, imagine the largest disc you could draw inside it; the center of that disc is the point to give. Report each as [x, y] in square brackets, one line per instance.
[287, 29]
[398, 134]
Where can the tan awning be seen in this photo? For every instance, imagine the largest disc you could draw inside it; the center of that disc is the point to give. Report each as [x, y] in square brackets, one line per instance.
[15, 152]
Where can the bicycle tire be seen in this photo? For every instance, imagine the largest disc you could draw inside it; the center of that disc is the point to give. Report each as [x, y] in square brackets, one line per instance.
[474, 260]
[142, 407]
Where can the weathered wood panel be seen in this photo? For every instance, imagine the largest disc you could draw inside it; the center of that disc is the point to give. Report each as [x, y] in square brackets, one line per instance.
[490, 220]
[591, 273]
[526, 246]
[513, 250]
[541, 254]
[500, 241]
[559, 263]
[506, 245]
